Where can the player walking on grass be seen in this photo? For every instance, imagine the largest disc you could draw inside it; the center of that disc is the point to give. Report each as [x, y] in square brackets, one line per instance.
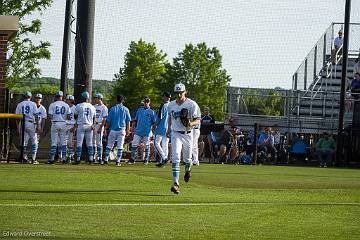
[84, 126]
[100, 120]
[161, 142]
[59, 112]
[30, 110]
[144, 120]
[69, 135]
[184, 115]
[118, 122]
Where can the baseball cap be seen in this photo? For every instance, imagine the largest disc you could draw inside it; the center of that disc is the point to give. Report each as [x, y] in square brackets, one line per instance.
[166, 94]
[179, 87]
[59, 94]
[85, 95]
[38, 95]
[146, 99]
[99, 96]
[340, 31]
[70, 97]
[27, 94]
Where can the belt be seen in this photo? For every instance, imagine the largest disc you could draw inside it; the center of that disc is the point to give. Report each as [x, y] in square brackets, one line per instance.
[30, 121]
[184, 132]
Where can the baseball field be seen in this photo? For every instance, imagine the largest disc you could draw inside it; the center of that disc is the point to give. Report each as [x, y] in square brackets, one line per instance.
[219, 202]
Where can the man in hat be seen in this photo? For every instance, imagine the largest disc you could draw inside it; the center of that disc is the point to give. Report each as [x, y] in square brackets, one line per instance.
[42, 114]
[59, 112]
[143, 122]
[70, 123]
[100, 120]
[184, 115]
[118, 122]
[161, 142]
[85, 119]
[31, 112]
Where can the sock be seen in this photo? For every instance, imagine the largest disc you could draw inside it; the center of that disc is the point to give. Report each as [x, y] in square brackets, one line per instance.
[133, 153]
[52, 153]
[63, 149]
[78, 153]
[188, 166]
[91, 153]
[25, 150]
[34, 151]
[119, 155]
[176, 172]
[99, 152]
[107, 153]
[71, 152]
[147, 154]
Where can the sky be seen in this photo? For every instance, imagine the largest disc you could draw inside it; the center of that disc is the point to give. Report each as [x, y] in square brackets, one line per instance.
[262, 42]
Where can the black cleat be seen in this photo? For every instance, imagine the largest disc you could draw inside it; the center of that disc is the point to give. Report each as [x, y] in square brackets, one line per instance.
[175, 188]
[187, 176]
[161, 164]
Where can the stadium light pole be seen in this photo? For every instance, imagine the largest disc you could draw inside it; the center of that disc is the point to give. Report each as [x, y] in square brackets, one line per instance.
[339, 144]
[65, 52]
[84, 48]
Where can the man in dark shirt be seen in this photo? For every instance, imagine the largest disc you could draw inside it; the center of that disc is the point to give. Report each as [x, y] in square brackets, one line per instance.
[355, 86]
[206, 119]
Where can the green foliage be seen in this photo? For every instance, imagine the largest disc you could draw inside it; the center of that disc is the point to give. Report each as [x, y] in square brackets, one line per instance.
[200, 69]
[261, 102]
[24, 54]
[141, 75]
[50, 85]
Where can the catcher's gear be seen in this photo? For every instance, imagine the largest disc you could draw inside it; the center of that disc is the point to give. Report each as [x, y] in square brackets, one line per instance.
[184, 117]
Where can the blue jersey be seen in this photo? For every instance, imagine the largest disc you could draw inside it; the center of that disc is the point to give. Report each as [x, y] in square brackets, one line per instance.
[118, 118]
[162, 120]
[264, 138]
[144, 118]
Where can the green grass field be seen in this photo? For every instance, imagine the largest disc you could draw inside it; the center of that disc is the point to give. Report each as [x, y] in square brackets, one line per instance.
[219, 202]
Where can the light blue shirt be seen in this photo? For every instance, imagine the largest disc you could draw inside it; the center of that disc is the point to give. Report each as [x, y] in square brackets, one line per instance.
[118, 118]
[144, 118]
[162, 120]
[264, 137]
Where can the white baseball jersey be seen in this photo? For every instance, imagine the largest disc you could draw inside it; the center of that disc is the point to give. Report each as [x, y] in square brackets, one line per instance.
[86, 113]
[28, 108]
[59, 111]
[72, 120]
[42, 113]
[101, 113]
[174, 111]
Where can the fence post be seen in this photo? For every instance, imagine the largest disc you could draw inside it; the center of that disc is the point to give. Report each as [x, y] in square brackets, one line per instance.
[315, 62]
[324, 51]
[256, 127]
[305, 74]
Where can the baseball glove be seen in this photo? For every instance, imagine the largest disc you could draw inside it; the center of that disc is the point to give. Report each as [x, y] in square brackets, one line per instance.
[184, 117]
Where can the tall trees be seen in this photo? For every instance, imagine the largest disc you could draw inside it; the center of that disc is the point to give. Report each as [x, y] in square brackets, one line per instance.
[200, 69]
[24, 54]
[143, 71]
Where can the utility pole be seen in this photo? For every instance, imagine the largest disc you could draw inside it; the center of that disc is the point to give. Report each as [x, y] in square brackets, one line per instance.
[343, 79]
[65, 52]
[84, 48]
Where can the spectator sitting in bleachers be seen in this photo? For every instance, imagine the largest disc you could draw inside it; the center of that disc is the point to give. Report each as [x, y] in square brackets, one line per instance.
[355, 86]
[266, 143]
[325, 150]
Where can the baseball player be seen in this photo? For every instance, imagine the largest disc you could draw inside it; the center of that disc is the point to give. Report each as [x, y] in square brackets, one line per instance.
[144, 120]
[100, 120]
[84, 126]
[184, 115]
[118, 122]
[31, 112]
[42, 114]
[161, 142]
[70, 123]
[59, 112]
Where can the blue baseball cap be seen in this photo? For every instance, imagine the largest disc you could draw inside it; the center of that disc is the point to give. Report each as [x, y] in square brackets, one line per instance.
[85, 95]
[59, 94]
[99, 96]
[167, 94]
[27, 94]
